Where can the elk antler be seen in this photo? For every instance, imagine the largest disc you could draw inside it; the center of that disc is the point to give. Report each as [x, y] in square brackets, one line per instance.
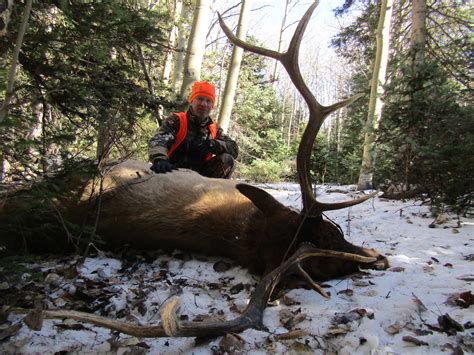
[251, 317]
[317, 112]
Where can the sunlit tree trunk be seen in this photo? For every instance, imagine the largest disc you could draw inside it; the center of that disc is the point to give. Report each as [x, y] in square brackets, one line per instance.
[280, 41]
[5, 12]
[16, 52]
[376, 90]
[11, 82]
[196, 45]
[234, 69]
[168, 66]
[418, 33]
[183, 32]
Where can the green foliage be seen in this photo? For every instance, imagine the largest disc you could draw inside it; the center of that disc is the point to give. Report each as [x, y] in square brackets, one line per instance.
[256, 125]
[431, 134]
[426, 128]
[264, 171]
[31, 221]
[80, 72]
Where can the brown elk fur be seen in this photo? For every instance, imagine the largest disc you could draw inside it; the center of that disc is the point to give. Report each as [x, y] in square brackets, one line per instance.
[187, 211]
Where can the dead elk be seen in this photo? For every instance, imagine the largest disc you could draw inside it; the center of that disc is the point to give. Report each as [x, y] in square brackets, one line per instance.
[187, 211]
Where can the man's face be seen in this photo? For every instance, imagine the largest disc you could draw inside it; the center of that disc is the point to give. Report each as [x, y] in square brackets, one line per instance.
[201, 106]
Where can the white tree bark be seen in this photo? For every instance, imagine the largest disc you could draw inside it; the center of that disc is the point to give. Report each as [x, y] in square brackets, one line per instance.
[181, 47]
[4, 166]
[16, 52]
[228, 95]
[418, 32]
[168, 66]
[376, 91]
[5, 13]
[196, 45]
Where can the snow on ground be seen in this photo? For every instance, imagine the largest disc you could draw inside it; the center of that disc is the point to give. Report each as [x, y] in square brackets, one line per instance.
[376, 312]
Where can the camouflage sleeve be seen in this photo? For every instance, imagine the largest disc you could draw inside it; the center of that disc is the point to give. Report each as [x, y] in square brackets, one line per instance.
[227, 144]
[162, 141]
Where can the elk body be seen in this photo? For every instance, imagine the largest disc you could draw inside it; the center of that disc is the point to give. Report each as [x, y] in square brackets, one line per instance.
[184, 210]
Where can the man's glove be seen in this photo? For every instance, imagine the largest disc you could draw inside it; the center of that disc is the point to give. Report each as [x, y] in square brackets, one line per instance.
[161, 166]
[214, 147]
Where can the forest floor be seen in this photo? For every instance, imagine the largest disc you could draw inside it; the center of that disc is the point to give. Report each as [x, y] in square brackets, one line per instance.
[421, 305]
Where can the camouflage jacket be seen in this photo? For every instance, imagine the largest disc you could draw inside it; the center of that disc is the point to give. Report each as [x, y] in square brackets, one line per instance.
[193, 150]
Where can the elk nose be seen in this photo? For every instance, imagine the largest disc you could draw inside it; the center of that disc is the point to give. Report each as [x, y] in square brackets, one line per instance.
[381, 263]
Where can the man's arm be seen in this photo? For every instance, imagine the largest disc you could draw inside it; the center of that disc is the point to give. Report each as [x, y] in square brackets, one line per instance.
[161, 142]
[225, 144]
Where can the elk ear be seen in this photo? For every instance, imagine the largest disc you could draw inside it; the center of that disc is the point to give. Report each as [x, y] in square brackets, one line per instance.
[261, 199]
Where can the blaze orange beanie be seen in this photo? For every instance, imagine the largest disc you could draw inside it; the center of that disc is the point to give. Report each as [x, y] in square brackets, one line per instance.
[203, 88]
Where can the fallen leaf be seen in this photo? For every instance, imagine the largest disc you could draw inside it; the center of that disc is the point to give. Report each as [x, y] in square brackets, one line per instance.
[10, 331]
[34, 319]
[414, 340]
[300, 348]
[361, 283]
[449, 325]
[294, 334]
[237, 288]
[335, 331]
[393, 328]
[469, 257]
[422, 332]
[75, 326]
[288, 301]
[347, 292]
[442, 218]
[463, 300]
[232, 344]
[468, 278]
[419, 305]
[351, 316]
[290, 323]
[131, 341]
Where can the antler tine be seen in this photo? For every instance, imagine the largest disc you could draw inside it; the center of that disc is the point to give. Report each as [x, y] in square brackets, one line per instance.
[343, 103]
[340, 205]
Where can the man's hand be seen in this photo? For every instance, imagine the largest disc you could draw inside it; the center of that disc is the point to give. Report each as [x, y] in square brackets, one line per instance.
[214, 147]
[161, 166]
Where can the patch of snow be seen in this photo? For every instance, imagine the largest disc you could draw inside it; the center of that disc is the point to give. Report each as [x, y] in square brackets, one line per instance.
[427, 266]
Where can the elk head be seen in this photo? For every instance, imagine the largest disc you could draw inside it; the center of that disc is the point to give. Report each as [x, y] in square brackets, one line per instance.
[311, 227]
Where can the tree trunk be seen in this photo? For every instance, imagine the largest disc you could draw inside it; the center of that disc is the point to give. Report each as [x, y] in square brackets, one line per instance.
[5, 13]
[196, 45]
[234, 69]
[181, 47]
[103, 137]
[167, 67]
[11, 78]
[376, 91]
[280, 41]
[11, 74]
[418, 34]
